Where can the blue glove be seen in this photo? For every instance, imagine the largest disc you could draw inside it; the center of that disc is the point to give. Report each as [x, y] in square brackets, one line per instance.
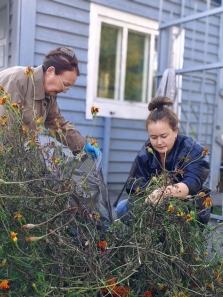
[92, 150]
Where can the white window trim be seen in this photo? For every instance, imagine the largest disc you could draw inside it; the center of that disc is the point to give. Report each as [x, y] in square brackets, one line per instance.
[108, 107]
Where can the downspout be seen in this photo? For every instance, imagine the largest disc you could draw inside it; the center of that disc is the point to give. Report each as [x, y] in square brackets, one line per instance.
[106, 146]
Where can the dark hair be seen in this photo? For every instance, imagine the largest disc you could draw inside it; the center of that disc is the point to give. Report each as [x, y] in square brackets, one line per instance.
[161, 113]
[62, 58]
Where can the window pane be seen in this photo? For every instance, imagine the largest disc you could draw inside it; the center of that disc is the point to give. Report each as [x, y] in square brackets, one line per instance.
[136, 77]
[107, 61]
[154, 67]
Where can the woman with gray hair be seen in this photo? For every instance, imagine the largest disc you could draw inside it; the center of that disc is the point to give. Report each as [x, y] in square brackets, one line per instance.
[35, 91]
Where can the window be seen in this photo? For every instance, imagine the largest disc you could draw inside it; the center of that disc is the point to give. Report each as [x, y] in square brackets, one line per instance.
[3, 33]
[122, 61]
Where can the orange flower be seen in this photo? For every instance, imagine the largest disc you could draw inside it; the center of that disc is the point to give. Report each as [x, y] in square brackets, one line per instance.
[29, 72]
[210, 285]
[96, 216]
[103, 245]
[5, 285]
[217, 272]
[137, 190]
[188, 217]
[93, 142]
[3, 123]
[170, 208]
[17, 216]
[4, 117]
[1, 149]
[118, 291]
[148, 294]
[13, 236]
[32, 142]
[94, 110]
[56, 121]
[218, 275]
[2, 90]
[205, 152]
[39, 121]
[24, 129]
[112, 281]
[39, 129]
[207, 203]
[3, 99]
[56, 160]
[121, 291]
[15, 105]
[111, 285]
[163, 288]
[180, 214]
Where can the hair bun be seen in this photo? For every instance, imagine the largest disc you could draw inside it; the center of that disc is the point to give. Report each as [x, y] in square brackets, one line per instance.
[159, 102]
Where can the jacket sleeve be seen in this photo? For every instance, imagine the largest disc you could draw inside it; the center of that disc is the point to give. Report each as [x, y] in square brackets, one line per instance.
[139, 175]
[71, 137]
[17, 89]
[196, 172]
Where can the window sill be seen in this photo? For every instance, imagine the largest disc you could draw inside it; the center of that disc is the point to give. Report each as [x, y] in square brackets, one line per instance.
[117, 109]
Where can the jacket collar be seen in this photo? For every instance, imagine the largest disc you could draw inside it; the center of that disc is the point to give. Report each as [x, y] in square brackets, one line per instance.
[38, 83]
[155, 162]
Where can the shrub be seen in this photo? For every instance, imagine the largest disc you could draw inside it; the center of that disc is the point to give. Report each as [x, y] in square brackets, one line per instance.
[53, 245]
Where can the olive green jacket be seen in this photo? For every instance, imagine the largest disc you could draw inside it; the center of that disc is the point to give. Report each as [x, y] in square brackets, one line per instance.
[35, 104]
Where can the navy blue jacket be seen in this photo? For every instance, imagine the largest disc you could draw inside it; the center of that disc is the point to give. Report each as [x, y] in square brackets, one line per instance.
[195, 172]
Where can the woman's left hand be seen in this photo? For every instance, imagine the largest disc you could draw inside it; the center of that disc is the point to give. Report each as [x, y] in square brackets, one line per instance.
[155, 197]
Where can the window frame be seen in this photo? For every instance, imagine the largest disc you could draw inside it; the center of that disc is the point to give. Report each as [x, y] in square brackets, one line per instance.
[4, 41]
[111, 107]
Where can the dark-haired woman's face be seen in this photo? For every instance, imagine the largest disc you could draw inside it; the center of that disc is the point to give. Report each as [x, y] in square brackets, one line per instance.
[55, 84]
[162, 136]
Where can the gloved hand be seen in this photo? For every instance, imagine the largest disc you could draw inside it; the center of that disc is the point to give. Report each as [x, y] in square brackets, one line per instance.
[92, 148]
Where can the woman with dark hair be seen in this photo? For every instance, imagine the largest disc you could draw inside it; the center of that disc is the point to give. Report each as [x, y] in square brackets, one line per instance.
[168, 150]
[37, 95]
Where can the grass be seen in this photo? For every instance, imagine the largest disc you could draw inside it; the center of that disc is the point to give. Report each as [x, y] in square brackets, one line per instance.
[217, 210]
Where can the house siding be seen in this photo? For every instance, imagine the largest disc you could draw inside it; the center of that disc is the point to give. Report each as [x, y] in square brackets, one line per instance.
[66, 23]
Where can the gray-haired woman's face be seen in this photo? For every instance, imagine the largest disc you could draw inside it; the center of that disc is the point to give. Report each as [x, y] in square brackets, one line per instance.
[55, 84]
[162, 136]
